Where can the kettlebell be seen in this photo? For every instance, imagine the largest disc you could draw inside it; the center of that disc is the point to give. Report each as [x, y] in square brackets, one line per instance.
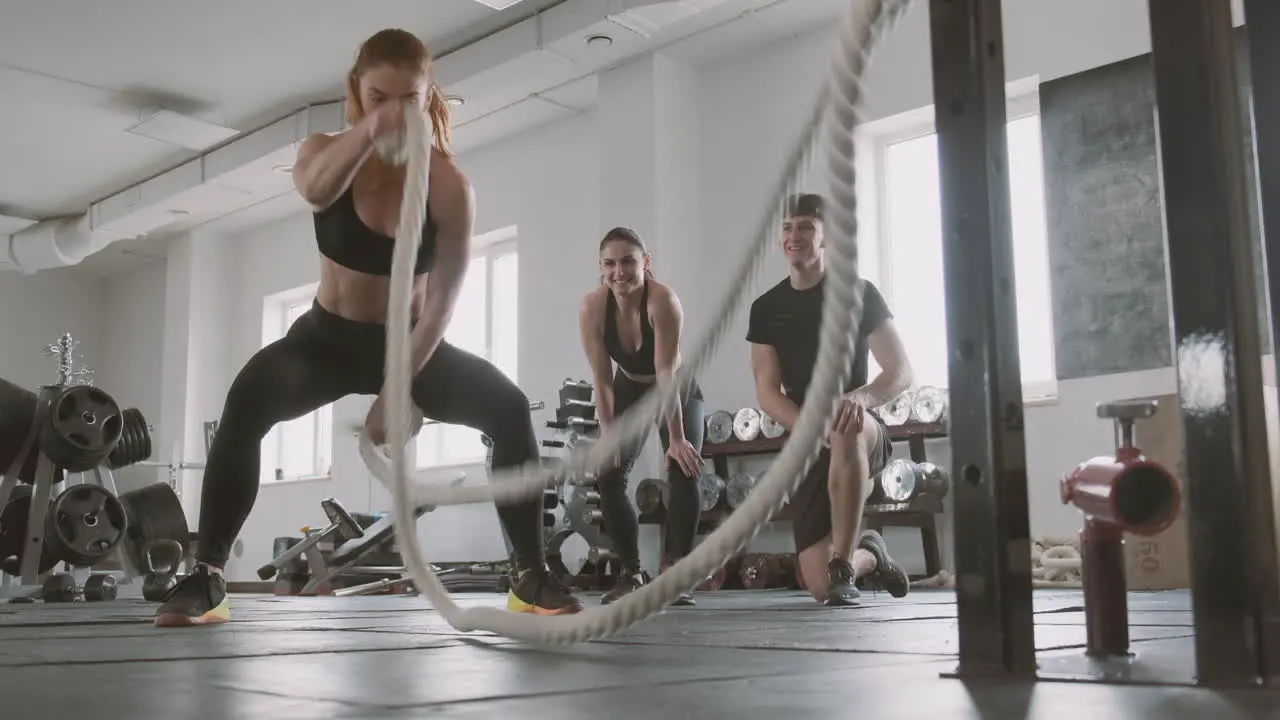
[161, 576]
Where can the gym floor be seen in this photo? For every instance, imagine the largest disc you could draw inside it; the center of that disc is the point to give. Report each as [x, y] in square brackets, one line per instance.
[737, 654]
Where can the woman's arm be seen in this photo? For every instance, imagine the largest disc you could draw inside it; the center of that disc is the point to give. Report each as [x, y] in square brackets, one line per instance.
[325, 165]
[452, 206]
[668, 321]
[591, 328]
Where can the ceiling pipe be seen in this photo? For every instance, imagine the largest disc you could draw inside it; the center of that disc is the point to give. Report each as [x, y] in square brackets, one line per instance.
[215, 182]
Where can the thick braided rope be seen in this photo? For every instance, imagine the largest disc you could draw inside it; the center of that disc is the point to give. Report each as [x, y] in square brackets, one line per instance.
[837, 106]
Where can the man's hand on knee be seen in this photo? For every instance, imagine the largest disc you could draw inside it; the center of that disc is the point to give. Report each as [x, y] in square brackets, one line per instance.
[847, 423]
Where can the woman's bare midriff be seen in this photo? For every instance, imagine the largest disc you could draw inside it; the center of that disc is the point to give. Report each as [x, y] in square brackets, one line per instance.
[359, 296]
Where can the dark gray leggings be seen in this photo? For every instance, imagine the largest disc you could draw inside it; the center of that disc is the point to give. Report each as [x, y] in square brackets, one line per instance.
[325, 357]
[684, 510]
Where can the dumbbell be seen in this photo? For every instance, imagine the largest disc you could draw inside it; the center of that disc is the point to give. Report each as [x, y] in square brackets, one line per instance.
[62, 588]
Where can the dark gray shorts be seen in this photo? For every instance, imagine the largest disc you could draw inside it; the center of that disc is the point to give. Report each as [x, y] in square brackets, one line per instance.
[811, 504]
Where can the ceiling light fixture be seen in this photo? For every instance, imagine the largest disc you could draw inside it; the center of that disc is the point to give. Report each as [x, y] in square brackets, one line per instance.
[599, 40]
[454, 100]
[283, 169]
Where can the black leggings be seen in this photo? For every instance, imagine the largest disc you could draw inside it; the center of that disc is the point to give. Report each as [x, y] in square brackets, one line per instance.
[325, 357]
[684, 510]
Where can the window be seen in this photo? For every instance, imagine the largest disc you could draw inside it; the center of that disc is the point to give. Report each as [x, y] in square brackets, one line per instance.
[910, 252]
[484, 323]
[303, 447]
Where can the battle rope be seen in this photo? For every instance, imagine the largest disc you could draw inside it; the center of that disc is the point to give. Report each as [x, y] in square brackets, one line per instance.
[837, 107]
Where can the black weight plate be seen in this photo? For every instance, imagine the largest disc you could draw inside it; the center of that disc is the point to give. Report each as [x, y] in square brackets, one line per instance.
[83, 427]
[84, 524]
[13, 521]
[154, 513]
[135, 441]
[17, 412]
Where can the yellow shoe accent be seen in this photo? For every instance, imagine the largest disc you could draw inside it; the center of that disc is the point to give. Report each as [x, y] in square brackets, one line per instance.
[216, 616]
[515, 604]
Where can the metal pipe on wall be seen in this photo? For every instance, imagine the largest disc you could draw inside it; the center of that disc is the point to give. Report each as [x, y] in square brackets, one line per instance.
[1216, 340]
[992, 526]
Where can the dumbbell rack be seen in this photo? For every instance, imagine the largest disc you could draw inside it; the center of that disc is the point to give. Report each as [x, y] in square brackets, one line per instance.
[47, 476]
[577, 425]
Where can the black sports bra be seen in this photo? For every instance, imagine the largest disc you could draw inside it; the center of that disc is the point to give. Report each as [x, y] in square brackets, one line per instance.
[346, 240]
[640, 362]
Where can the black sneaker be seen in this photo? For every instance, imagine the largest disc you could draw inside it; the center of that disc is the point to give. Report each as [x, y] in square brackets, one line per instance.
[841, 588]
[540, 592]
[626, 584]
[685, 599]
[198, 599]
[889, 573]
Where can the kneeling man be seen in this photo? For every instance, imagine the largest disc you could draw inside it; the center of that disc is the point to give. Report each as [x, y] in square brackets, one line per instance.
[784, 329]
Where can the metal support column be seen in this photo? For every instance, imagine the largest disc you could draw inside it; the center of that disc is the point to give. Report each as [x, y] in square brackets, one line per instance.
[1216, 349]
[992, 548]
[1262, 18]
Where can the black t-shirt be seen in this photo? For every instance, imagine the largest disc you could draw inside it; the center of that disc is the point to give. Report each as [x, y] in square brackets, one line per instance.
[790, 320]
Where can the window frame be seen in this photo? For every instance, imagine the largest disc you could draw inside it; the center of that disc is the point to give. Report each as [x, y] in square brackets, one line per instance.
[275, 315]
[491, 246]
[875, 139]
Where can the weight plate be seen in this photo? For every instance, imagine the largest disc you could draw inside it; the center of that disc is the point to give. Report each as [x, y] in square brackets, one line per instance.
[710, 489]
[84, 524]
[153, 513]
[931, 480]
[719, 427]
[740, 486]
[929, 404]
[652, 495]
[13, 522]
[769, 427]
[17, 413]
[898, 480]
[135, 441]
[898, 410]
[746, 424]
[83, 428]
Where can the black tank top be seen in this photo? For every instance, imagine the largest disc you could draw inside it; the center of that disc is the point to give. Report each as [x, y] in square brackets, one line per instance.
[346, 240]
[641, 362]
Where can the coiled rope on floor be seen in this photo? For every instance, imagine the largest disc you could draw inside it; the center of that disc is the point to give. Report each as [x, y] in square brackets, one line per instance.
[836, 112]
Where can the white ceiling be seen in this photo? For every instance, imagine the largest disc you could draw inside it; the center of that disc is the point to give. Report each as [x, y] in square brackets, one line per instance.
[82, 72]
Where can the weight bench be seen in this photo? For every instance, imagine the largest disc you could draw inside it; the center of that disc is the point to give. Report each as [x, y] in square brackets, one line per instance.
[352, 543]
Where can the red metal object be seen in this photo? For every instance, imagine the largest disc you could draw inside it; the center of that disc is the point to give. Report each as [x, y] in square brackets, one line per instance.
[1126, 493]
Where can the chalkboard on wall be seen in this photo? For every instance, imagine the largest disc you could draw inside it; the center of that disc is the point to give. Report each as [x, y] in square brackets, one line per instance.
[1106, 236]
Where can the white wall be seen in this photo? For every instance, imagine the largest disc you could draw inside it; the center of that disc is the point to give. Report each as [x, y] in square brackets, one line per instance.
[37, 310]
[34, 312]
[549, 184]
[133, 351]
